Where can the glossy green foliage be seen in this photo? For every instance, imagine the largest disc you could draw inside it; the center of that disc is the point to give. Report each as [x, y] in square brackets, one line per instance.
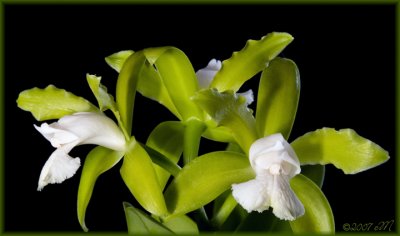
[139, 223]
[99, 160]
[126, 88]
[167, 139]
[249, 61]
[52, 103]
[278, 96]
[139, 175]
[318, 216]
[230, 110]
[345, 149]
[179, 78]
[204, 179]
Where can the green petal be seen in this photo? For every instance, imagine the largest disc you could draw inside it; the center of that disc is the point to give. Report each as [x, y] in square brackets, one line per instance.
[167, 139]
[126, 87]
[117, 60]
[139, 175]
[99, 160]
[345, 149]
[230, 110]
[105, 100]
[52, 103]
[181, 225]
[204, 179]
[318, 217]
[249, 61]
[151, 86]
[179, 78]
[278, 96]
[140, 223]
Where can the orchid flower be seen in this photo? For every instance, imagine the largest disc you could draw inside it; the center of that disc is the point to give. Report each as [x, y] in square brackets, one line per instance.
[275, 163]
[73, 130]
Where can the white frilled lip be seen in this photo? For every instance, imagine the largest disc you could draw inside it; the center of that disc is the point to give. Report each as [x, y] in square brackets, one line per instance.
[73, 130]
[270, 152]
[275, 163]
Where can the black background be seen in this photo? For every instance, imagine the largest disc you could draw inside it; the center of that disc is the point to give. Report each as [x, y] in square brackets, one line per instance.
[345, 54]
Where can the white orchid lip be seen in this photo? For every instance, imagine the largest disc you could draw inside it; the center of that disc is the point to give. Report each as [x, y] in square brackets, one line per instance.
[274, 163]
[73, 130]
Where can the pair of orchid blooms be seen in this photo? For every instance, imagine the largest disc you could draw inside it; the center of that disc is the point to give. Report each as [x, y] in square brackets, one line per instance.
[260, 168]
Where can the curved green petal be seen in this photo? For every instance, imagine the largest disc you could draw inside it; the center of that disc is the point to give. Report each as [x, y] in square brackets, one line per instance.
[179, 78]
[278, 96]
[117, 60]
[204, 179]
[167, 139]
[140, 223]
[345, 149]
[318, 217]
[249, 61]
[139, 175]
[229, 110]
[52, 103]
[126, 88]
[99, 160]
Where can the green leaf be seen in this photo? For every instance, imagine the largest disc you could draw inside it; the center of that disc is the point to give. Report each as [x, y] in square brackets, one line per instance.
[105, 100]
[139, 175]
[249, 61]
[345, 149]
[52, 103]
[318, 217]
[126, 88]
[316, 173]
[194, 128]
[117, 60]
[179, 78]
[181, 225]
[167, 139]
[204, 179]
[140, 223]
[230, 110]
[99, 160]
[278, 96]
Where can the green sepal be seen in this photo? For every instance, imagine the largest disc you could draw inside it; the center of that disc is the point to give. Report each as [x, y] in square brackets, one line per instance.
[167, 139]
[278, 97]
[181, 224]
[139, 175]
[52, 103]
[230, 110]
[105, 100]
[98, 161]
[345, 149]
[204, 179]
[246, 63]
[117, 60]
[318, 216]
[140, 223]
[179, 78]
